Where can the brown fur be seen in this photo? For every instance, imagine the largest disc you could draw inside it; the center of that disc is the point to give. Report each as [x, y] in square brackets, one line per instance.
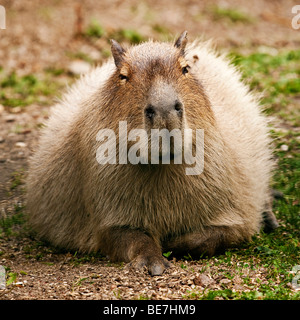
[132, 212]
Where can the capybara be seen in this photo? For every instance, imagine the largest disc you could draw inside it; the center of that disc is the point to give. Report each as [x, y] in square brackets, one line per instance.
[133, 212]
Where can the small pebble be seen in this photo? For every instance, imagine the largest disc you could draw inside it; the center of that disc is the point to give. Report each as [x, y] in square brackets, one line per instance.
[284, 147]
[10, 118]
[21, 144]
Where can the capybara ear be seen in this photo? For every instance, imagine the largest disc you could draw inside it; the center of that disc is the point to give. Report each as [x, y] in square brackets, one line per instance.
[181, 42]
[117, 52]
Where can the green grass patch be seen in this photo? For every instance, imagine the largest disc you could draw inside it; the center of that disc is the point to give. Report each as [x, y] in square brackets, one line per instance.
[12, 222]
[17, 179]
[80, 56]
[277, 76]
[94, 29]
[21, 91]
[230, 14]
[127, 35]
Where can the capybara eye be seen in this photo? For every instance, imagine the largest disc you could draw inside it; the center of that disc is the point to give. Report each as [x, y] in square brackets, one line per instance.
[123, 77]
[185, 70]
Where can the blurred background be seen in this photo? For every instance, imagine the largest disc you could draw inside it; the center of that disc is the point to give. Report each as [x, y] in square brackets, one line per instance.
[52, 33]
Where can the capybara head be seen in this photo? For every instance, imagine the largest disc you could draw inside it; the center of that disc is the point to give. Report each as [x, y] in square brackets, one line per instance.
[153, 88]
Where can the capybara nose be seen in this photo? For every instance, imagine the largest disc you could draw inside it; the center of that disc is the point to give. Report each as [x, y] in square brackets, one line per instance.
[150, 112]
[163, 110]
[178, 107]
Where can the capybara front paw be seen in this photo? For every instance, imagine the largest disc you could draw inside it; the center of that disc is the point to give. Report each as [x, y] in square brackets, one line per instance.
[155, 264]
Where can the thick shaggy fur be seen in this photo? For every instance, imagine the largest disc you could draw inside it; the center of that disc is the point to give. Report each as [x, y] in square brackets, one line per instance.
[76, 203]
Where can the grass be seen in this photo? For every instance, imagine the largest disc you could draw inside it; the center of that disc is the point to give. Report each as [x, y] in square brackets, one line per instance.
[12, 222]
[278, 76]
[230, 14]
[127, 35]
[95, 30]
[21, 91]
[17, 179]
[80, 55]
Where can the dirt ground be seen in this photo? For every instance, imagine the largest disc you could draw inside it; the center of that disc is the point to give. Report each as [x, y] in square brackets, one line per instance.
[41, 34]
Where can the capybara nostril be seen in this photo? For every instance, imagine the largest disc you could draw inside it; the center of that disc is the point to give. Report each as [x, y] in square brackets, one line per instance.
[150, 112]
[178, 107]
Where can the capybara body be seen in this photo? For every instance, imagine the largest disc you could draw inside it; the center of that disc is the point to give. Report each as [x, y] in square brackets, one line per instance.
[131, 212]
